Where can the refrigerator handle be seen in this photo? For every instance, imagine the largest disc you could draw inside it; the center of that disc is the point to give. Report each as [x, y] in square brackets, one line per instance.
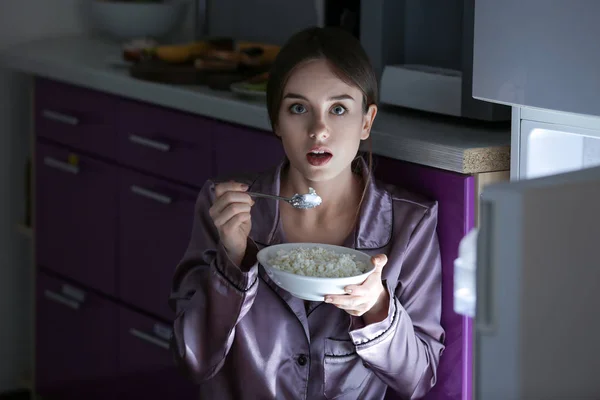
[484, 272]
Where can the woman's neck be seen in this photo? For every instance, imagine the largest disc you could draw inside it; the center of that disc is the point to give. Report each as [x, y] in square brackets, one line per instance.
[341, 195]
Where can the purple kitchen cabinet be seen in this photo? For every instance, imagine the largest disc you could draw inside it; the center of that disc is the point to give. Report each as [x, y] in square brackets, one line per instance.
[456, 196]
[146, 366]
[76, 216]
[243, 150]
[74, 116]
[164, 142]
[155, 224]
[76, 341]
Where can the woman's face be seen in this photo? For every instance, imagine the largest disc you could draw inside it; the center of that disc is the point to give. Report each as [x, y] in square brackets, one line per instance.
[321, 121]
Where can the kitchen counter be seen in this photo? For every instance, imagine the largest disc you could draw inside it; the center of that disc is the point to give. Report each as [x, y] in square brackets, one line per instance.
[436, 141]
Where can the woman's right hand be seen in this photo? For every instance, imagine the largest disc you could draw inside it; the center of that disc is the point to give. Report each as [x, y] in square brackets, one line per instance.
[231, 215]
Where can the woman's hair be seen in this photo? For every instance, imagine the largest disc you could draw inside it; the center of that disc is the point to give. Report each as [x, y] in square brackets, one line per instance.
[346, 57]
[338, 47]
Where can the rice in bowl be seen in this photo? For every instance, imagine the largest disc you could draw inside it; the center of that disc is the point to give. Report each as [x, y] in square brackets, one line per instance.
[318, 262]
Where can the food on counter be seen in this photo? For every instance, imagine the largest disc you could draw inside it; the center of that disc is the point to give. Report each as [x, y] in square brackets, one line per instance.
[208, 64]
[257, 87]
[215, 54]
[246, 54]
[268, 51]
[254, 86]
[252, 56]
[218, 60]
[229, 59]
[136, 49]
[260, 78]
[175, 53]
[257, 83]
[179, 53]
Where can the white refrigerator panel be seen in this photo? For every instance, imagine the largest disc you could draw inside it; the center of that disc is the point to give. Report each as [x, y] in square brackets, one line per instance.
[550, 149]
[538, 289]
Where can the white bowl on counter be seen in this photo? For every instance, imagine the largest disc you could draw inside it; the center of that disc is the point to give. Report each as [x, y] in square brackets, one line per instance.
[132, 20]
[311, 287]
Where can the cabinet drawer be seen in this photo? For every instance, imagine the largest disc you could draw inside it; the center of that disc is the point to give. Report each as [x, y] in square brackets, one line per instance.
[165, 142]
[155, 225]
[76, 216]
[245, 150]
[146, 366]
[76, 342]
[81, 118]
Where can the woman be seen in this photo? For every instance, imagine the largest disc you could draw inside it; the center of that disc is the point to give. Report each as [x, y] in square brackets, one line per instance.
[238, 334]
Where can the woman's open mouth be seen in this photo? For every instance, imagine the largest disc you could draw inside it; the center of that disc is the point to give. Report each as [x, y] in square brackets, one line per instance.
[319, 157]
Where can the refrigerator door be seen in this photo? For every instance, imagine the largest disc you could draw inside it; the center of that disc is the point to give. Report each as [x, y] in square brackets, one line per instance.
[538, 53]
[538, 294]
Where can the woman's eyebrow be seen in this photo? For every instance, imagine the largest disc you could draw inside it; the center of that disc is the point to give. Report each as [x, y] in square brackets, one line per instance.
[299, 96]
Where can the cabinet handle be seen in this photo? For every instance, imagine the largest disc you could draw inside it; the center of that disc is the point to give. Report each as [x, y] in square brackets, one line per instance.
[60, 117]
[59, 298]
[149, 338]
[149, 143]
[161, 198]
[63, 166]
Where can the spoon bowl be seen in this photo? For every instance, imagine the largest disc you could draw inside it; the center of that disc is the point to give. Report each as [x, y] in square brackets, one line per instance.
[301, 201]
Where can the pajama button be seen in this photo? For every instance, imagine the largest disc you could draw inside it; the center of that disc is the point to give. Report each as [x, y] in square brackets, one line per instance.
[302, 360]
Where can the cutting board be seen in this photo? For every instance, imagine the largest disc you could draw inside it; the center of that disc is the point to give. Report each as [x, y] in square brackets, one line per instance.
[186, 74]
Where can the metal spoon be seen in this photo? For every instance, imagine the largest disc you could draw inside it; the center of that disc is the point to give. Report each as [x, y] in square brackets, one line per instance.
[304, 201]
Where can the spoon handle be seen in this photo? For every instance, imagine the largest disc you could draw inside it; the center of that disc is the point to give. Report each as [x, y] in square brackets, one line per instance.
[268, 196]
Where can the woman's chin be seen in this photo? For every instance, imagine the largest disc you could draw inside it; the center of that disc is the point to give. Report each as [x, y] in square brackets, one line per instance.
[316, 174]
[319, 174]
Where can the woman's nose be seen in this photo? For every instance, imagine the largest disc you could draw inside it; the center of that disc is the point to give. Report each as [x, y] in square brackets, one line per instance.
[319, 130]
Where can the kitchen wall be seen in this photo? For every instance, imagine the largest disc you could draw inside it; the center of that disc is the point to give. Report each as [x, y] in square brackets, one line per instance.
[269, 21]
[22, 21]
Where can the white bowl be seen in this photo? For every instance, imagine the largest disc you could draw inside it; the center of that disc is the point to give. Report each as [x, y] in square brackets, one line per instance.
[130, 20]
[311, 287]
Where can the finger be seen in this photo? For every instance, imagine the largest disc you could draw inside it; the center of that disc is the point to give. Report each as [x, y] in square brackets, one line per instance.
[364, 288]
[230, 227]
[379, 261]
[230, 186]
[231, 211]
[228, 198]
[346, 302]
[356, 313]
[359, 290]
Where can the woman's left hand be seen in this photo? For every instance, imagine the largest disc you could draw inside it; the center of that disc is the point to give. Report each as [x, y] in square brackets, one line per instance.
[368, 298]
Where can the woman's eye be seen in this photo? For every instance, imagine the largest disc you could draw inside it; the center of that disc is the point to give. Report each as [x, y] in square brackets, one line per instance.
[339, 110]
[298, 109]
